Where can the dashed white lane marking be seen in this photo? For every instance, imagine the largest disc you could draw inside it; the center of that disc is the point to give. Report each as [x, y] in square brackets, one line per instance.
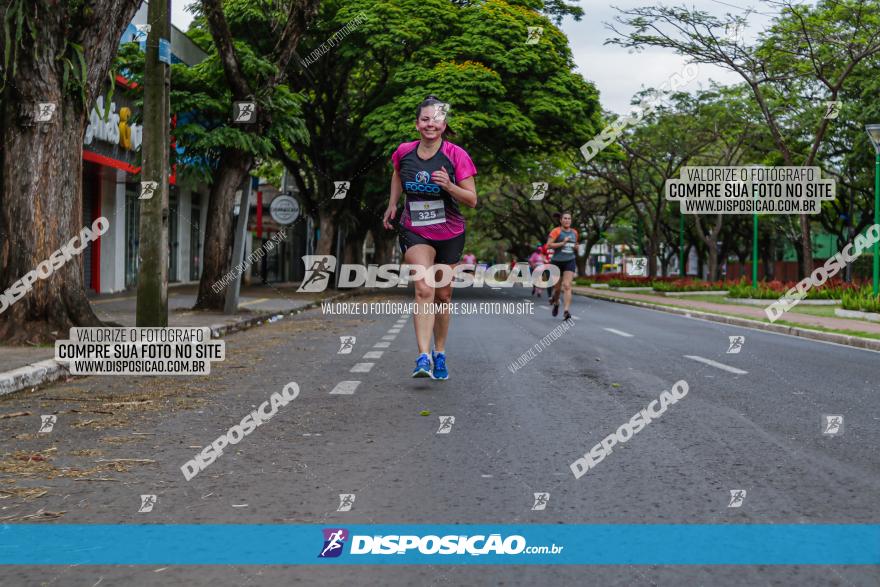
[716, 364]
[389, 337]
[394, 331]
[618, 332]
[374, 355]
[576, 317]
[381, 345]
[345, 387]
[362, 367]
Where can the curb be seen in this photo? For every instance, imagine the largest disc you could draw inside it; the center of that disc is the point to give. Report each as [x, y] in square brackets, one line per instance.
[844, 339]
[49, 370]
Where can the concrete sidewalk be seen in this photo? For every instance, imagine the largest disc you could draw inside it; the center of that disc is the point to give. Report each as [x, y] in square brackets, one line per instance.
[803, 325]
[24, 367]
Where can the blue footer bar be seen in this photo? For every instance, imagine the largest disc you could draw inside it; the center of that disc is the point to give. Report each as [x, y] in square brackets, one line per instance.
[601, 544]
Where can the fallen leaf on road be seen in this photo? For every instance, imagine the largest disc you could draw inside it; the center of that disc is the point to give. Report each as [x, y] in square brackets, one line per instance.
[14, 415]
[135, 403]
[87, 452]
[29, 458]
[40, 514]
[615, 385]
[425, 413]
[25, 492]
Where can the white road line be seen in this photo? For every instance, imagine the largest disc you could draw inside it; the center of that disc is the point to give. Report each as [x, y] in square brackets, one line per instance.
[394, 331]
[618, 332]
[716, 364]
[362, 368]
[374, 355]
[345, 387]
[575, 317]
[389, 337]
[381, 345]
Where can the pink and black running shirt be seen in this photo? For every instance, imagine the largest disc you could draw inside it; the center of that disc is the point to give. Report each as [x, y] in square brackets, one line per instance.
[429, 210]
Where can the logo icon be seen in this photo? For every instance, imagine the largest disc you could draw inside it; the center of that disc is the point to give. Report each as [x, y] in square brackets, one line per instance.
[737, 497]
[422, 177]
[142, 31]
[244, 112]
[147, 503]
[148, 188]
[733, 32]
[346, 502]
[346, 345]
[44, 111]
[47, 423]
[534, 35]
[639, 266]
[341, 188]
[541, 500]
[832, 109]
[446, 423]
[318, 270]
[539, 190]
[334, 540]
[440, 111]
[736, 344]
[832, 424]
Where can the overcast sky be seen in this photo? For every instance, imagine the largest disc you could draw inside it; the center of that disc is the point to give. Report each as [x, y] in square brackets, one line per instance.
[617, 73]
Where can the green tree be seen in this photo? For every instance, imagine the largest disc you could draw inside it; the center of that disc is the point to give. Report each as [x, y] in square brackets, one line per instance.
[805, 58]
[252, 42]
[511, 102]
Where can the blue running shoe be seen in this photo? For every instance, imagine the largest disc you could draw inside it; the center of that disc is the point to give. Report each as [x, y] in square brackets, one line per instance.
[423, 366]
[440, 371]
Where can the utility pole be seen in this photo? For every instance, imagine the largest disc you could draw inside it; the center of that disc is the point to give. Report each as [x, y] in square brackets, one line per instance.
[230, 305]
[152, 288]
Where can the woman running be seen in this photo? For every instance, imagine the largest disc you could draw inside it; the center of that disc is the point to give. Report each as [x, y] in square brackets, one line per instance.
[535, 259]
[436, 176]
[563, 239]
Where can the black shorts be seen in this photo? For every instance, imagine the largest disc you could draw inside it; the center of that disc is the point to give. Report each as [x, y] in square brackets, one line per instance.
[564, 266]
[448, 251]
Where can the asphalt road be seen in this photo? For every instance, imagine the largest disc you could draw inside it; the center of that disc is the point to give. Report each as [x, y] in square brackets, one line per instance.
[752, 420]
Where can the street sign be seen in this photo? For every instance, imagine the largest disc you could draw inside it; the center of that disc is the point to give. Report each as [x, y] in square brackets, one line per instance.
[165, 51]
[284, 209]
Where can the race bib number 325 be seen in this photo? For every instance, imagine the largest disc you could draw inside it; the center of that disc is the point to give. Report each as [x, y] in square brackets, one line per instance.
[427, 212]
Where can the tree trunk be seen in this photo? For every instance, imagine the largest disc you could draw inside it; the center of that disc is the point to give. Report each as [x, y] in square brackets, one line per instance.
[807, 247]
[713, 263]
[40, 210]
[651, 251]
[41, 168]
[233, 168]
[768, 258]
[384, 246]
[353, 248]
[327, 238]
